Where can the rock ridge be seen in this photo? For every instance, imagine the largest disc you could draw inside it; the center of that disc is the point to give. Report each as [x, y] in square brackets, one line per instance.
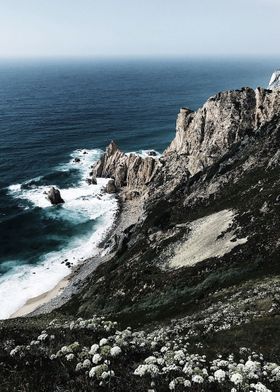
[127, 170]
[202, 138]
[226, 118]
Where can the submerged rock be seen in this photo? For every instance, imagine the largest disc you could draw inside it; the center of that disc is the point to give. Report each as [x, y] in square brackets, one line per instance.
[54, 196]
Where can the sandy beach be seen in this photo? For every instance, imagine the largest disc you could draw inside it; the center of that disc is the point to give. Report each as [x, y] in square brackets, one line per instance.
[73, 282]
[33, 303]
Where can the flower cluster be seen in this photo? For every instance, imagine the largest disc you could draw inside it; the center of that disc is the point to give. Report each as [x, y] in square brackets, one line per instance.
[162, 358]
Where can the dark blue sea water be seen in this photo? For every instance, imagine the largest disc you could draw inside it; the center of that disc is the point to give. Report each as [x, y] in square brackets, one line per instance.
[49, 110]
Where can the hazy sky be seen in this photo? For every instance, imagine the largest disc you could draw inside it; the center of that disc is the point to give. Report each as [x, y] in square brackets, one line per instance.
[94, 28]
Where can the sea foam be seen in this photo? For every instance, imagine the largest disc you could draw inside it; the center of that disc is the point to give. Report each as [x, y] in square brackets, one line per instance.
[83, 203]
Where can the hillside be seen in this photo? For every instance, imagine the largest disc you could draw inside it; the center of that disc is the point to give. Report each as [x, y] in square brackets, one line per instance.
[191, 278]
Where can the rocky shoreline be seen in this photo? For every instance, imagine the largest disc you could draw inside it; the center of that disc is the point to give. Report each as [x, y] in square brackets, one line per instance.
[202, 138]
[188, 295]
[129, 213]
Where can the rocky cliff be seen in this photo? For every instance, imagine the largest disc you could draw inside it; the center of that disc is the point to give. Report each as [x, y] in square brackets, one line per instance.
[275, 80]
[227, 118]
[131, 171]
[197, 276]
[201, 139]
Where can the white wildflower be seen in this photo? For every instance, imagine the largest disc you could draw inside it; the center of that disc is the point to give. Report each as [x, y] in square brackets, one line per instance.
[151, 369]
[252, 366]
[179, 355]
[103, 341]
[42, 337]
[150, 360]
[93, 349]
[197, 379]
[107, 374]
[79, 366]
[96, 358]
[15, 351]
[65, 350]
[276, 373]
[220, 375]
[236, 378]
[70, 357]
[115, 351]
[86, 363]
[259, 387]
[172, 385]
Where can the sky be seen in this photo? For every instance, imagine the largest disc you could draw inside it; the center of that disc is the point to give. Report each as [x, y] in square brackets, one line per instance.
[132, 28]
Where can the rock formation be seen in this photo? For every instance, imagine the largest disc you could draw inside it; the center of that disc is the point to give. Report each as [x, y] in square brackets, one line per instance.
[196, 270]
[54, 196]
[275, 80]
[202, 138]
[127, 170]
[111, 187]
[227, 118]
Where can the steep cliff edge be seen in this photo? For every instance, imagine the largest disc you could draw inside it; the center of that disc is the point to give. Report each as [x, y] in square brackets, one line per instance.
[128, 170]
[227, 118]
[201, 139]
[199, 273]
[275, 80]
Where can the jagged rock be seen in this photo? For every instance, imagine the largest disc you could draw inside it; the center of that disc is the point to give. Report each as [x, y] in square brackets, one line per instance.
[93, 179]
[274, 161]
[77, 160]
[129, 170]
[275, 80]
[130, 195]
[202, 138]
[111, 187]
[227, 118]
[54, 196]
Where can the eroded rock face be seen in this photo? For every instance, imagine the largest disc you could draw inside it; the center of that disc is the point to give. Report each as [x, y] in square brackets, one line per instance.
[275, 80]
[202, 138]
[54, 196]
[229, 117]
[129, 170]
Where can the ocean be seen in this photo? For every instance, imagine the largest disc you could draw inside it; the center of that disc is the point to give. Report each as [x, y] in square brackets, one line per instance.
[53, 111]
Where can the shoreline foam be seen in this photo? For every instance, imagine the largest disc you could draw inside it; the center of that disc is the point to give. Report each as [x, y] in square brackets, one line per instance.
[25, 282]
[129, 213]
[34, 303]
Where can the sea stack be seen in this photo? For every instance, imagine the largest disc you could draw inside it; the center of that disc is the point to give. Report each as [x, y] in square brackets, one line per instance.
[54, 196]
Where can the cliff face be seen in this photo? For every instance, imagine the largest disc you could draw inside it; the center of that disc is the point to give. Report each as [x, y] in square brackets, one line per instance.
[199, 271]
[227, 118]
[275, 80]
[128, 170]
[202, 138]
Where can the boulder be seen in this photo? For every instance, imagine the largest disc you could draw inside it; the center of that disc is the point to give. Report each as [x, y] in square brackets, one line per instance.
[111, 187]
[130, 195]
[54, 196]
[93, 179]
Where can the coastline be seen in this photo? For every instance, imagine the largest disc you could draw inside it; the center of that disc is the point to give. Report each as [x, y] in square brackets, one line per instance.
[128, 214]
[34, 303]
